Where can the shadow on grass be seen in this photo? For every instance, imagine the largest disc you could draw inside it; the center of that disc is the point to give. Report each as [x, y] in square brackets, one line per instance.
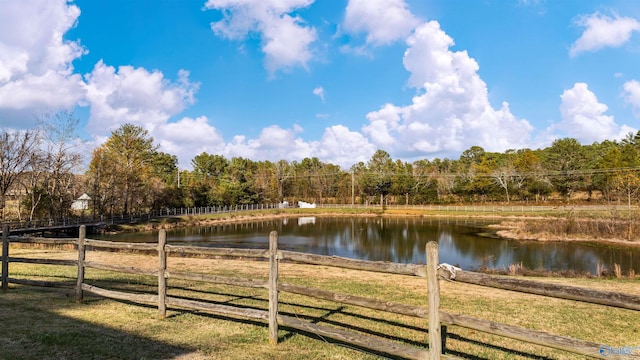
[31, 328]
[325, 318]
[452, 336]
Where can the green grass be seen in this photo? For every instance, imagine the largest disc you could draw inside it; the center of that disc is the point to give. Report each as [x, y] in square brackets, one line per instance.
[40, 323]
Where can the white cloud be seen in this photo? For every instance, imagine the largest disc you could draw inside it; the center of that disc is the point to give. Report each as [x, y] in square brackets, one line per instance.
[452, 112]
[338, 146]
[134, 95]
[603, 31]
[286, 41]
[319, 91]
[584, 118]
[187, 138]
[343, 147]
[36, 71]
[274, 143]
[190, 137]
[383, 21]
[632, 95]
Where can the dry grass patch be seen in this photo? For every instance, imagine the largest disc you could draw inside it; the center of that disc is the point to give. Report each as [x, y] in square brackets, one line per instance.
[53, 317]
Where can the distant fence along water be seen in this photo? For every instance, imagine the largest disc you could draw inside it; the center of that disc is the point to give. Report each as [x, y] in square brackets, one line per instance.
[208, 210]
[437, 320]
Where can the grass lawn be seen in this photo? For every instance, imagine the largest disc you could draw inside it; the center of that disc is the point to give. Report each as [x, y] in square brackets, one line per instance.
[42, 323]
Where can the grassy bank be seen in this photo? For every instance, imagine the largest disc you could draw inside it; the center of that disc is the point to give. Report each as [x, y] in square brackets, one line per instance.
[48, 324]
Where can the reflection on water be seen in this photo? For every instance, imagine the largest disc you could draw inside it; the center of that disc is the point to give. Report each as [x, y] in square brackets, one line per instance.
[401, 240]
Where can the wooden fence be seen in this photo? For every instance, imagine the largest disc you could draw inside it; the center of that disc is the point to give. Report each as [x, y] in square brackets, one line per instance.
[437, 319]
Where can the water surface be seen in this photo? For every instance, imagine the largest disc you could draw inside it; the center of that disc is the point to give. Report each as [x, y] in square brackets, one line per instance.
[398, 239]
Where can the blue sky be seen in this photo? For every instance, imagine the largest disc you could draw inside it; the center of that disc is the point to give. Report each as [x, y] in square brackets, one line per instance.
[338, 79]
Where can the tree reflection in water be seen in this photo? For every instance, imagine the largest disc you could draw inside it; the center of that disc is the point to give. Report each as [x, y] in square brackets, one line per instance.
[403, 239]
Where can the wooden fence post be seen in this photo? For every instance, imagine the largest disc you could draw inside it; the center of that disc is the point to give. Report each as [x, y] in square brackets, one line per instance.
[435, 337]
[5, 256]
[273, 287]
[81, 254]
[162, 280]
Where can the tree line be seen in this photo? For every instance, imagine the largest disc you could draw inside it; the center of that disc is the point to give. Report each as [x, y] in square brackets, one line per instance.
[128, 174]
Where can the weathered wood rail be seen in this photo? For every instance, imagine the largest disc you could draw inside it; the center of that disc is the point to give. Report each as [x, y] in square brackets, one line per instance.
[437, 319]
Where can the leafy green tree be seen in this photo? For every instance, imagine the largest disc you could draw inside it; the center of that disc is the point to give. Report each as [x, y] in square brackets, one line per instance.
[533, 181]
[237, 185]
[327, 181]
[425, 175]
[165, 166]
[266, 182]
[474, 171]
[102, 183]
[381, 167]
[128, 154]
[445, 180]
[210, 166]
[360, 181]
[315, 179]
[403, 181]
[565, 158]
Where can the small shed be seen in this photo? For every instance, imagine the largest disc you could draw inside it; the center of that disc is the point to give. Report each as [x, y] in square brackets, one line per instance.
[81, 203]
[306, 205]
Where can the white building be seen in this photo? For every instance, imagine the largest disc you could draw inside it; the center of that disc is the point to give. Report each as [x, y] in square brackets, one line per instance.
[81, 203]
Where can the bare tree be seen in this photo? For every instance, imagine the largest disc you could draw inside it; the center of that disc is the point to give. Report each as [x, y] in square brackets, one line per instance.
[283, 171]
[504, 176]
[63, 157]
[628, 185]
[16, 148]
[33, 181]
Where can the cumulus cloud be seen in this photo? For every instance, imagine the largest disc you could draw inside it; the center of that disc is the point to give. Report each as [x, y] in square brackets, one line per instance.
[319, 91]
[632, 95]
[344, 147]
[273, 143]
[584, 118]
[286, 41]
[451, 111]
[338, 145]
[36, 70]
[602, 31]
[383, 21]
[187, 138]
[134, 95]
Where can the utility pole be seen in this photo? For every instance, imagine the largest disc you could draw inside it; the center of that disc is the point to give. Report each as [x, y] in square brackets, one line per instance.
[353, 189]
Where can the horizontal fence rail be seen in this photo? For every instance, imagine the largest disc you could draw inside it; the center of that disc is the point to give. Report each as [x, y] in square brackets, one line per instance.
[436, 318]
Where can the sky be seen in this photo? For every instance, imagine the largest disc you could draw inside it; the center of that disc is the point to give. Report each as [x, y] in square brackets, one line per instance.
[332, 79]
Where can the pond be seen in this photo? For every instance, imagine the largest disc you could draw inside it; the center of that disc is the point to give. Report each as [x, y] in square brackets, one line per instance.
[402, 239]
